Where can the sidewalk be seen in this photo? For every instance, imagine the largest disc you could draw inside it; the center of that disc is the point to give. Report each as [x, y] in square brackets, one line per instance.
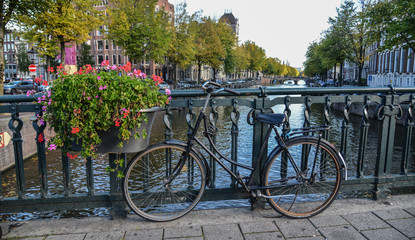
[345, 219]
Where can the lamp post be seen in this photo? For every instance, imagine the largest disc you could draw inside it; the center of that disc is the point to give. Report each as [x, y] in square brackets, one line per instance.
[32, 55]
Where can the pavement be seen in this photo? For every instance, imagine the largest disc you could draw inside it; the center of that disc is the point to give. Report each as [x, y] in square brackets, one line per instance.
[393, 218]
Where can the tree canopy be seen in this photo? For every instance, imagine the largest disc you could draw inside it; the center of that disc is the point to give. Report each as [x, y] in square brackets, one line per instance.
[137, 27]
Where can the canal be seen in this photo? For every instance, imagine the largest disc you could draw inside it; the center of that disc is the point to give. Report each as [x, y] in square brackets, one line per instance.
[180, 130]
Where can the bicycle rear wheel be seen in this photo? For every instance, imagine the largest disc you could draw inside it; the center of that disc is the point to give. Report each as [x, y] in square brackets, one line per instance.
[303, 196]
[149, 190]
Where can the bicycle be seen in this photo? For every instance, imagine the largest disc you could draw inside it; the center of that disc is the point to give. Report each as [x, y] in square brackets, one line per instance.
[301, 177]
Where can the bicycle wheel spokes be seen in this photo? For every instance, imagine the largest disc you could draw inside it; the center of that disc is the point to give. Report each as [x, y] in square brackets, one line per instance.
[154, 193]
[310, 191]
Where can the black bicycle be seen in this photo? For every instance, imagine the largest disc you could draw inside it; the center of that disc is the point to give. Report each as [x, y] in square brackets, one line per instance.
[301, 177]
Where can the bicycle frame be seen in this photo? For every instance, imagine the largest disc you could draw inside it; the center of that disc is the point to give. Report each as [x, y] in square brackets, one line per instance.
[248, 187]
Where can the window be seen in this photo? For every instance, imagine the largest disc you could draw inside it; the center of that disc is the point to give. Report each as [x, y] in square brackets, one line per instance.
[119, 59]
[114, 59]
[100, 45]
[114, 46]
[106, 57]
[106, 44]
[100, 59]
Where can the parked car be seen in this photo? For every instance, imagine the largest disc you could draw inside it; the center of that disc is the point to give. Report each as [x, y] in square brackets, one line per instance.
[18, 87]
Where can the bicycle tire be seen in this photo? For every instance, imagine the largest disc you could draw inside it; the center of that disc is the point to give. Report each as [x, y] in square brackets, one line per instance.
[296, 198]
[145, 178]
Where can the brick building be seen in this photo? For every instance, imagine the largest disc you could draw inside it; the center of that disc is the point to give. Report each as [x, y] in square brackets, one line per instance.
[103, 49]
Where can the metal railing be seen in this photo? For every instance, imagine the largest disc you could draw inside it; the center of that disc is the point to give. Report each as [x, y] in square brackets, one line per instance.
[391, 104]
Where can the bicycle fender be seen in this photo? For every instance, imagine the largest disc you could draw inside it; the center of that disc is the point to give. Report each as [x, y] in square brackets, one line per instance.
[197, 153]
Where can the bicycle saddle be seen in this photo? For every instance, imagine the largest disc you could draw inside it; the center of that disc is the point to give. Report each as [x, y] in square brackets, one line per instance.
[271, 118]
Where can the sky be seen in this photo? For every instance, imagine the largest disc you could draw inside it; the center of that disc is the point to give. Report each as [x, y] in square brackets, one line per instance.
[283, 28]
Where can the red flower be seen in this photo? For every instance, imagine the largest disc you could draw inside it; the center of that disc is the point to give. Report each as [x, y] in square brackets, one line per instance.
[40, 138]
[75, 130]
[71, 156]
[50, 69]
[117, 122]
[45, 83]
[157, 79]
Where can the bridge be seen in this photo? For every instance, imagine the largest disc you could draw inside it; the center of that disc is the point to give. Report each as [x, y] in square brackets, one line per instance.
[376, 179]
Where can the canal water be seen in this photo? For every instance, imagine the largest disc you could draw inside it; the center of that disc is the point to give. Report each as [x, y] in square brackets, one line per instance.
[180, 129]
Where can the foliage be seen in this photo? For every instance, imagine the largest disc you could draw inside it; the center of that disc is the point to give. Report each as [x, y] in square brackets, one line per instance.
[228, 42]
[256, 56]
[136, 26]
[182, 45]
[9, 12]
[60, 23]
[98, 101]
[23, 59]
[314, 66]
[393, 23]
[85, 57]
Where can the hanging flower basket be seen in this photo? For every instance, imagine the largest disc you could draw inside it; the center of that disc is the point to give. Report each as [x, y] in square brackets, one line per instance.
[110, 110]
[110, 138]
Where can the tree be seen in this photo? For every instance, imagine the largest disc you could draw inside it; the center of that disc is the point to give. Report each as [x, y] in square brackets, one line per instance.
[229, 42]
[241, 58]
[209, 48]
[23, 59]
[9, 11]
[137, 27]
[182, 45]
[61, 22]
[393, 22]
[355, 27]
[86, 57]
[256, 56]
[314, 66]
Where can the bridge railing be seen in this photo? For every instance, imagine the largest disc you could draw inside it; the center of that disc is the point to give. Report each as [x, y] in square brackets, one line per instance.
[388, 105]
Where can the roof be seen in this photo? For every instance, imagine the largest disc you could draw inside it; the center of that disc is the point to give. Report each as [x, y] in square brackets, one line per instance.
[228, 17]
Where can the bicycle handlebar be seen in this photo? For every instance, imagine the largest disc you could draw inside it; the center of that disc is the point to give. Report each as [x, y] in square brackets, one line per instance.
[218, 87]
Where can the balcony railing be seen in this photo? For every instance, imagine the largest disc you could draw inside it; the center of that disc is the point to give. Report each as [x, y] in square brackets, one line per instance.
[390, 104]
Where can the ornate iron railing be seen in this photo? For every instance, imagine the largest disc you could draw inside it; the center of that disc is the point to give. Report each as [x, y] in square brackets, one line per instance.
[390, 104]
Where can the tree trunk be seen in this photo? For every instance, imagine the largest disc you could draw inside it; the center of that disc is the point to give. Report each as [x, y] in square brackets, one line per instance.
[2, 32]
[63, 53]
[174, 77]
[341, 74]
[199, 74]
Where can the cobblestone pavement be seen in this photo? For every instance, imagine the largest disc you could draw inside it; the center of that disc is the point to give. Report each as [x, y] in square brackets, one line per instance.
[391, 219]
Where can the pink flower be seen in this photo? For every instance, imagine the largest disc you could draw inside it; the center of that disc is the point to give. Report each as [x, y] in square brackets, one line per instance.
[168, 92]
[98, 78]
[52, 147]
[113, 67]
[102, 87]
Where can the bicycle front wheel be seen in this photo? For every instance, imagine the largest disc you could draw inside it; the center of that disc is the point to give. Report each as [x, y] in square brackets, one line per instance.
[306, 184]
[153, 192]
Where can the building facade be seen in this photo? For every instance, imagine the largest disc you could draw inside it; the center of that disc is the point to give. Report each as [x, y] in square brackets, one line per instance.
[392, 67]
[104, 49]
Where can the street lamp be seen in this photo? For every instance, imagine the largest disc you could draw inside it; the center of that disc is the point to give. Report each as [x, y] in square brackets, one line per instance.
[32, 55]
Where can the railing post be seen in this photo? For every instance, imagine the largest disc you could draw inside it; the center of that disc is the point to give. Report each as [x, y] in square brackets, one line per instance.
[345, 126]
[18, 150]
[118, 205]
[409, 125]
[259, 132]
[388, 113]
[234, 133]
[41, 152]
[364, 130]
[213, 118]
